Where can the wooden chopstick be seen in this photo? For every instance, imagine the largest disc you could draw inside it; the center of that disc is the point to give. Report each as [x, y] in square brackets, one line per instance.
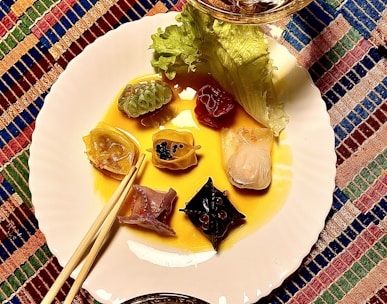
[106, 218]
[101, 238]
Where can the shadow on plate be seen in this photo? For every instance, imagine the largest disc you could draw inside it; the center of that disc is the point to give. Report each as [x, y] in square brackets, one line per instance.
[165, 298]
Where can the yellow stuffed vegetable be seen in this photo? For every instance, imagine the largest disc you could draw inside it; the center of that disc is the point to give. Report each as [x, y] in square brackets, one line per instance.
[173, 149]
[111, 150]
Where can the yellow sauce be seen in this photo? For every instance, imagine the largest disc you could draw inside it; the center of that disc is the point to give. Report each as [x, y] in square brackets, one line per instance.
[258, 206]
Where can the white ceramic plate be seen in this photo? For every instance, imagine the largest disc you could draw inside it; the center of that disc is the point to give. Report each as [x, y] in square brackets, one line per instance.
[63, 194]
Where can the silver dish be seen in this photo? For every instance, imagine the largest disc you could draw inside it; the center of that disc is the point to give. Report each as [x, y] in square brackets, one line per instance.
[165, 298]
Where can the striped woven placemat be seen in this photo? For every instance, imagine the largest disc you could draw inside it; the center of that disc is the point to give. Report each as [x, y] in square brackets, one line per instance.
[343, 46]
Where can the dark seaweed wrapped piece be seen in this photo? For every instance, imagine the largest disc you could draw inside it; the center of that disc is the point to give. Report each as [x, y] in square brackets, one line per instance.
[211, 211]
[144, 97]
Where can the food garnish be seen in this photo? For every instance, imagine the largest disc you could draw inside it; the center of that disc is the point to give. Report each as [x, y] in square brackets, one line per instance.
[235, 55]
[214, 106]
[211, 212]
[110, 150]
[147, 96]
[247, 157]
[151, 209]
[173, 149]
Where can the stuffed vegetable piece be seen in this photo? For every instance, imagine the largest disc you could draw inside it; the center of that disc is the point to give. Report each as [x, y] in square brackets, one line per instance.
[214, 106]
[144, 97]
[111, 151]
[173, 149]
[212, 213]
[247, 157]
[151, 210]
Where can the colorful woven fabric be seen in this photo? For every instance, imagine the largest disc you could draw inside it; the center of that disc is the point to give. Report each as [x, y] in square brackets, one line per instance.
[343, 44]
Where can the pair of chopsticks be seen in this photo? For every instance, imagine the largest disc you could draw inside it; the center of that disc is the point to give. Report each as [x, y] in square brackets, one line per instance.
[102, 224]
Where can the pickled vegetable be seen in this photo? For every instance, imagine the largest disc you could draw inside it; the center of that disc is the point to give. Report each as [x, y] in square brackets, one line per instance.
[111, 150]
[247, 157]
[144, 97]
[173, 149]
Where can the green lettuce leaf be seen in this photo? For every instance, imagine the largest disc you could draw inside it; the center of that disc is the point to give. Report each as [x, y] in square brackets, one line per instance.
[236, 55]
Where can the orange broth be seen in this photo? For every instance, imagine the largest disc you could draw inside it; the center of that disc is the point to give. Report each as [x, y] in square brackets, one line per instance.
[258, 206]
